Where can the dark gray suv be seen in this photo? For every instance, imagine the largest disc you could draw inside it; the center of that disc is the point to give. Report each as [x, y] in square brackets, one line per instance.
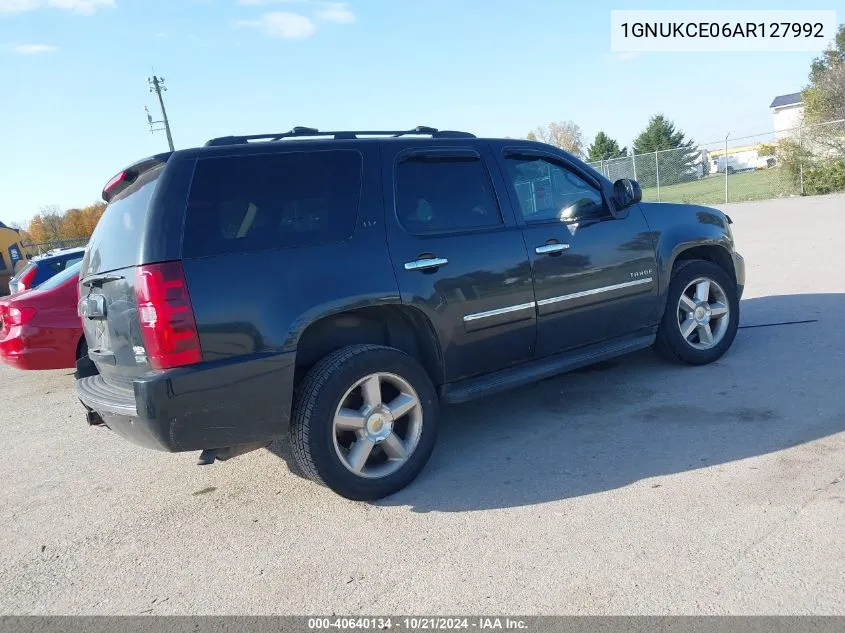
[337, 287]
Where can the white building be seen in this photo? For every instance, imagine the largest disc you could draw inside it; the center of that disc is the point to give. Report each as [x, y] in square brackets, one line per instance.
[787, 114]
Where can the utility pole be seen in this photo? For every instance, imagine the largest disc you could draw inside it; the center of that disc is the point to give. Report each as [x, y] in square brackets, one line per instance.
[157, 86]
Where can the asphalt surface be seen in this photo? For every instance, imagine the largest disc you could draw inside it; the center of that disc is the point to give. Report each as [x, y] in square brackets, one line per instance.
[633, 487]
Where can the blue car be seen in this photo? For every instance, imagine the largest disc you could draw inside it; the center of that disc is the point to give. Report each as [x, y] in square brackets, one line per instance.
[40, 269]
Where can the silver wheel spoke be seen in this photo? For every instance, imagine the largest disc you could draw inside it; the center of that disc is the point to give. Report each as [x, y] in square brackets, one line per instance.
[702, 291]
[705, 335]
[402, 404]
[688, 327]
[359, 454]
[394, 447]
[349, 420]
[389, 401]
[371, 390]
[687, 303]
[718, 309]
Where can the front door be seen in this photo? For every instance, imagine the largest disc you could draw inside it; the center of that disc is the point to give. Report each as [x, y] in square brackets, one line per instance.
[457, 257]
[595, 275]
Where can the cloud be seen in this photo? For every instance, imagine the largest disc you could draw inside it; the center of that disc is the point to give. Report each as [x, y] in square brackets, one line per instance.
[84, 7]
[34, 49]
[260, 2]
[291, 26]
[337, 12]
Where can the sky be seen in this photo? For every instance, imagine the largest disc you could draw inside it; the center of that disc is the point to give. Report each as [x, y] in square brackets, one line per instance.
[73, 77]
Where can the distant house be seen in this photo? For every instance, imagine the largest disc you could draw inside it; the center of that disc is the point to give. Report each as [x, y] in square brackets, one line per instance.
[787, 114]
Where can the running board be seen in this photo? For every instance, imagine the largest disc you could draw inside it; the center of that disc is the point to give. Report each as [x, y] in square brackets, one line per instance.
[532, 371]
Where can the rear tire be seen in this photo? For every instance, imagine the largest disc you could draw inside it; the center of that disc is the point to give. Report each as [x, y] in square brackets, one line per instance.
[702, 314]
[364, 421]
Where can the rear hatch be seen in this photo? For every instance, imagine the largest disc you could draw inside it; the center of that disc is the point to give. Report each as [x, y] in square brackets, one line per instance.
[135, 310]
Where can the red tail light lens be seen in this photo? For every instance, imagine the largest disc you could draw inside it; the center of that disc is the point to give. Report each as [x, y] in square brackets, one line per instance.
[167, 318]
[18, 315]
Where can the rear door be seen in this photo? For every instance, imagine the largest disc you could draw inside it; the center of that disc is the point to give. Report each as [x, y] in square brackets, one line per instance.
[457, 256]
[107, 282]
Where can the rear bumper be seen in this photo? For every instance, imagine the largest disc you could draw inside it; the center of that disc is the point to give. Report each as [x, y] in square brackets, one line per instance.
[211, 405]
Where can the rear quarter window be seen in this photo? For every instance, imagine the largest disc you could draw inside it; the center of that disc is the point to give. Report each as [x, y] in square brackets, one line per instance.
[271, 201]
[116, 242]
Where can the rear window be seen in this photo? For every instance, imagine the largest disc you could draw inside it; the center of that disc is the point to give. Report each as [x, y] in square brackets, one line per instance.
[58, 279]
[116, 242]
[270, 201]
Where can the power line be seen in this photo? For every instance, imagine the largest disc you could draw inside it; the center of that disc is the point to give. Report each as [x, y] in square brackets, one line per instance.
[157, 86]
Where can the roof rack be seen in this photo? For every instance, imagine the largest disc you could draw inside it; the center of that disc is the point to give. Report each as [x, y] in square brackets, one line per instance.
[312, 132]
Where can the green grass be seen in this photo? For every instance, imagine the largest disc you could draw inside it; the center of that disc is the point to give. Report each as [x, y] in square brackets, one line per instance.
[750, 185]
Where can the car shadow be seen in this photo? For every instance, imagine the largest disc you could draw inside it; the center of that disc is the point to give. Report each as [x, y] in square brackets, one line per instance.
[639, 417]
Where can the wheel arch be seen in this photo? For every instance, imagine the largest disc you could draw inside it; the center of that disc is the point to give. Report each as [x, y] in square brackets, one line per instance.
[391, 324]
[715, 253]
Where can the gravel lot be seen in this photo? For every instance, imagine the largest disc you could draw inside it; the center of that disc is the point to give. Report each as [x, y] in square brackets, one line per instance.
[633, 487]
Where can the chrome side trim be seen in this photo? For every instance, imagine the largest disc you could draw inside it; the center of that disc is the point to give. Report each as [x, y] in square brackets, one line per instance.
[492, 313]
[595, 291]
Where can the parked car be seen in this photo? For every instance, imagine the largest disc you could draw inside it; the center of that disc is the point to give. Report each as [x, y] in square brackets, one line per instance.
[339, 286]
[41, 329]
[42, 268]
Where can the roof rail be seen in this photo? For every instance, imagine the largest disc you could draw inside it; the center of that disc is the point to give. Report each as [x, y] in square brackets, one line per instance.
[312, 132]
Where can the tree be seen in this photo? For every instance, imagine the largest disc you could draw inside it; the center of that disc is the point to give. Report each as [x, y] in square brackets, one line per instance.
[815, 159]
[563, 134]
[832, 57]
[53, 225]
[604, 148]
[824, 98]
[674, 166]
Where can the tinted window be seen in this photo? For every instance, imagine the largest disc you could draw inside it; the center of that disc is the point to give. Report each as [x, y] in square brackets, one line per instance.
[116, 242]
[548, 192]
[57, 280]
[441, 195]
[252, 203]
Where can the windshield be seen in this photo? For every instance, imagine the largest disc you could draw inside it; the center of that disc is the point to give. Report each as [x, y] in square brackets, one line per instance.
[58, 279]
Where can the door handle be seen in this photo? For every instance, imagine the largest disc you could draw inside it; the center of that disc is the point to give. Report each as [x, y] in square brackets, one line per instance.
[549, 249]
[425, 264]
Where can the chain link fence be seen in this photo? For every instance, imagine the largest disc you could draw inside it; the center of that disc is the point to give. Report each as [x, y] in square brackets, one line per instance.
[807, 160]
[43, 248]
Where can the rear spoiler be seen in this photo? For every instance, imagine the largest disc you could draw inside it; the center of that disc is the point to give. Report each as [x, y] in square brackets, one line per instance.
[129, 175]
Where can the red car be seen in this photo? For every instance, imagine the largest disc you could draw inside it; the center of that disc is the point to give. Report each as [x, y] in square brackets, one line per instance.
[40, 328]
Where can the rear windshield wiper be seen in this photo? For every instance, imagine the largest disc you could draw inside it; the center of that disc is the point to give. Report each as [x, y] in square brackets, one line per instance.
[99, 280]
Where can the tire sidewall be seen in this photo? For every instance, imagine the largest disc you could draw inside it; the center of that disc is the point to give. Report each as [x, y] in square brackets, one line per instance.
[321, 440]
[671, 332]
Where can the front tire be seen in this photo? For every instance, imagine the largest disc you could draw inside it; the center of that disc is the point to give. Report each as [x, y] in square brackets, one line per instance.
[364, 421]
[702, 314]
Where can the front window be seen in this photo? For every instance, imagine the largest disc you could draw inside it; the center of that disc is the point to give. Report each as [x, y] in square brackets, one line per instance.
[548, 192]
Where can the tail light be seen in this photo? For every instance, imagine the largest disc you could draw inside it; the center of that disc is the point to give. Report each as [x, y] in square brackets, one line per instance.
[25, 282]
[17, 315]
[167, 319]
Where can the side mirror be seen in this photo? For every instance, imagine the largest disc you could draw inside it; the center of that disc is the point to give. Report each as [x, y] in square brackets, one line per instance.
[626, 192]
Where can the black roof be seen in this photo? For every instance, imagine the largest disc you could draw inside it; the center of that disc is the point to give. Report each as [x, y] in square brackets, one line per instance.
[786, 100]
